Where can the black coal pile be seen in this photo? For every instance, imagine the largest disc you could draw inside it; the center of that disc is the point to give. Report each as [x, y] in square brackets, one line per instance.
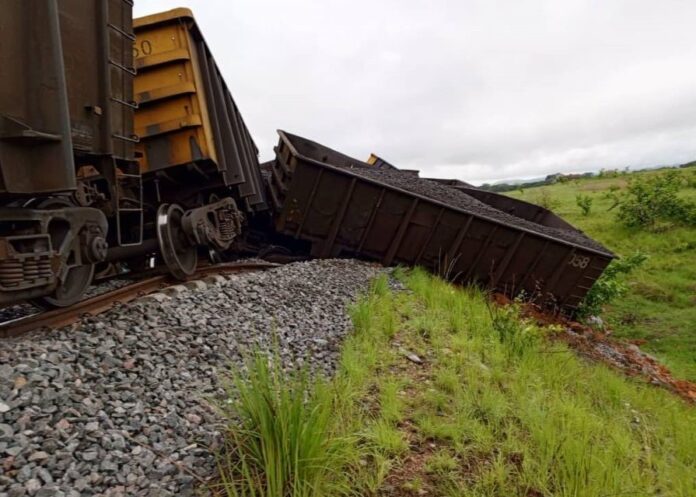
[458, 199]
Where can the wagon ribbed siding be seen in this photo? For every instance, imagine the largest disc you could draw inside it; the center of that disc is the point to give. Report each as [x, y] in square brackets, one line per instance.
[192, 135]
[347, 208]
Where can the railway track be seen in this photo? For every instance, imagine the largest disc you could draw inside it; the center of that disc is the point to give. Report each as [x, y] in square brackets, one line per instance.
[57, 318]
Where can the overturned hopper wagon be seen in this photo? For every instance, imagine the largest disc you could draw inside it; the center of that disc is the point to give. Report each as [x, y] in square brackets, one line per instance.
[345, 207]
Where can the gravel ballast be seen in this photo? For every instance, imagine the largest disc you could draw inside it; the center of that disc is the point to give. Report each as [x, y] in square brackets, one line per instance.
[23, 310]
[121, 404]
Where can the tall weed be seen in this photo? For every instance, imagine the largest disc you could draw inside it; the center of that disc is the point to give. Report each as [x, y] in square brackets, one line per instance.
[547, 201]
[585, 204]
[516, 335]
[282, 440]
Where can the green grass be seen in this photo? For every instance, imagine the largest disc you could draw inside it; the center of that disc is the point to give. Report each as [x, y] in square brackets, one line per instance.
[281, 437]
[495, 409]
[522, 415]
[660, 306]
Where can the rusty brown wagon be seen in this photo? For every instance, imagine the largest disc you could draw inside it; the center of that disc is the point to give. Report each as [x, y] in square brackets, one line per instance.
[345, 207]
[69, 183]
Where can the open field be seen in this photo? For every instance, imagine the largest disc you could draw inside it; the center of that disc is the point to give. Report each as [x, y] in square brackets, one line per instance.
[439, 394]
[660, 306]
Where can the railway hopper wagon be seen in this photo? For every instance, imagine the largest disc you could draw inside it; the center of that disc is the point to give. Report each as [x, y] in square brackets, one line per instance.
[345, 207]
[69, 184]
[193, 138]
[78, 186]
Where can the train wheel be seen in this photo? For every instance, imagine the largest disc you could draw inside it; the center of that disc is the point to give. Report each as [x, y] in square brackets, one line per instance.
[76, 283]
[180, 256]
[78, 278]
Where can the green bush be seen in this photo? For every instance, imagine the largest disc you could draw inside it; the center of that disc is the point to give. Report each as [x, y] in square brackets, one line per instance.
[613, 195]
[611, 285]
[547, 201]
[691, 180]
[648, 201]
[585, 204]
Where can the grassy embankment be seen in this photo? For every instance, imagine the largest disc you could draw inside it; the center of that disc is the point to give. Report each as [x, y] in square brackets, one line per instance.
[660, 306]
[494, 408]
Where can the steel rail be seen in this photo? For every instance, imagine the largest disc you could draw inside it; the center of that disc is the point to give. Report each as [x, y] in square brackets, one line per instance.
[58, 318]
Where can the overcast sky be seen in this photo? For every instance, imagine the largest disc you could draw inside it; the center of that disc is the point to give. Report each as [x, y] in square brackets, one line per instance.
[478, 90]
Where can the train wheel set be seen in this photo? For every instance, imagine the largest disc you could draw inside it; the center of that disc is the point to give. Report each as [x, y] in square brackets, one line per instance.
[120, 142]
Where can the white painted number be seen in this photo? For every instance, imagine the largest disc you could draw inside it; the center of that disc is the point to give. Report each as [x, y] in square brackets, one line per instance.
[579, 261]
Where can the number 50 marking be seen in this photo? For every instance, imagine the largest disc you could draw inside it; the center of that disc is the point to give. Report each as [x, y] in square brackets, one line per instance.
[145, 48]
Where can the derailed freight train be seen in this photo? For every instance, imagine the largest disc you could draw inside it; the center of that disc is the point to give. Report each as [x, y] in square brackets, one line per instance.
[120, 141]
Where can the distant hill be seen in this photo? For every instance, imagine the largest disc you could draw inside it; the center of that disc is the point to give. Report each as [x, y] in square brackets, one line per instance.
[551, 179]
[510, 185]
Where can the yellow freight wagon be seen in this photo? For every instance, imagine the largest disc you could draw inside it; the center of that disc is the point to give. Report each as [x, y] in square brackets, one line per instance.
[187, 121]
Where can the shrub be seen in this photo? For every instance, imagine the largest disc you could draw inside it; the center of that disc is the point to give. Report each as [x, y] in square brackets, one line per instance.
[613, 195]
[611, 285]
[547, 201]
[653, 199]
[585, 204]
[691, 180]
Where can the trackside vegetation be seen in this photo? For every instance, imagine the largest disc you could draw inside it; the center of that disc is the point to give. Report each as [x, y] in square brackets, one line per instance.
[648, 215]
[440, 393]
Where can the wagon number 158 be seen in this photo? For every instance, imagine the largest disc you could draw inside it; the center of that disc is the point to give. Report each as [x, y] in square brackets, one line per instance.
[579, 261]
[143, 48]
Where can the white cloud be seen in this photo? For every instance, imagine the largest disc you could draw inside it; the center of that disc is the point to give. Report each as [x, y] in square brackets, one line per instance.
[472, 89]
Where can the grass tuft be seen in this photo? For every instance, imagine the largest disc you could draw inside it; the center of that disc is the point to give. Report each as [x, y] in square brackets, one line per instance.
[281, 440]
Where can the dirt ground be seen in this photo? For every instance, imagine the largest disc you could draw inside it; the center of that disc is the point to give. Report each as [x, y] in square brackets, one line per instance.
[626, 357]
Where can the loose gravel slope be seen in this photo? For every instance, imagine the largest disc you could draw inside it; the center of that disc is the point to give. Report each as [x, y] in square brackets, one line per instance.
[120, 404]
